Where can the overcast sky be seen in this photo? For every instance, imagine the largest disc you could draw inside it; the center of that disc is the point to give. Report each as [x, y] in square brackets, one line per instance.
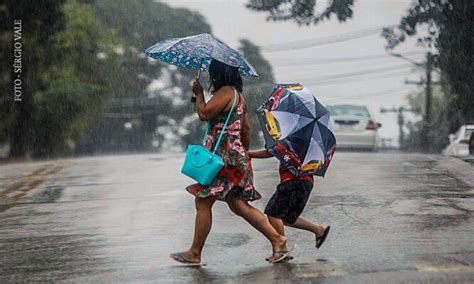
[334, 72]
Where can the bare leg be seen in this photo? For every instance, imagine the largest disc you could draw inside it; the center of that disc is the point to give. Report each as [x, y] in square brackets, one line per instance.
[277, 223]
[306, 225]
[258, 220]
[202, 228]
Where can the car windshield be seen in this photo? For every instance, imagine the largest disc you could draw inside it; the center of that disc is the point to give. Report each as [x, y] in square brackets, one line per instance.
[468, 132]
[349, 110]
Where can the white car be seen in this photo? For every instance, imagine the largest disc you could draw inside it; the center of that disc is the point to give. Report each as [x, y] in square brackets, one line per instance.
[459, 142]
[354, 127]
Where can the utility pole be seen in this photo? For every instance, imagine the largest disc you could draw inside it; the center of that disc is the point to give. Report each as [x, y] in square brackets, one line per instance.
[429, 103]
[401, 120]
[428, 82]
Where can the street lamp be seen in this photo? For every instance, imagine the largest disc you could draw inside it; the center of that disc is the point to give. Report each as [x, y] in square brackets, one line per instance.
[417, 64]
[398, 55]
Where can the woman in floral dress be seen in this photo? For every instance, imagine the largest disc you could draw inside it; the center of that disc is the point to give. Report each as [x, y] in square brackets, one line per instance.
[234, 183]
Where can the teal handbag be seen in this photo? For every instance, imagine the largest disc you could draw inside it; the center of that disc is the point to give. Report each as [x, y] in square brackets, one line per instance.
[201, 164]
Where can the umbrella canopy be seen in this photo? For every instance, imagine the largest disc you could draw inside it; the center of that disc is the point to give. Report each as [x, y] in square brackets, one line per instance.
[197, 52]
[297, 129]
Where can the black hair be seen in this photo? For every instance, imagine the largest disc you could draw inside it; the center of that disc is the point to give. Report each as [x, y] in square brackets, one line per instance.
[222, 75]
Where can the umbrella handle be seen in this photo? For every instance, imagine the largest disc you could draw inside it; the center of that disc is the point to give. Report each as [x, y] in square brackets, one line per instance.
[199, 74]
[193, 98]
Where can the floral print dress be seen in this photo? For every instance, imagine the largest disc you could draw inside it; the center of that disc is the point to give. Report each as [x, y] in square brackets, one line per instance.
[236, 175]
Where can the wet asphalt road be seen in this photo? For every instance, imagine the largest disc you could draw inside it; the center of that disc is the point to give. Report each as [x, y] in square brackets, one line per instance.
[394, 218]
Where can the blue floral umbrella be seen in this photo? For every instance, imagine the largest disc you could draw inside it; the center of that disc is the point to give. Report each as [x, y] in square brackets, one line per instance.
[297, 129]
[197, 52]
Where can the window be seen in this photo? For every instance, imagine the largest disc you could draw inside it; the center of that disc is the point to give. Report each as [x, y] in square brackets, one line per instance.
[468, 132]
[361, 111]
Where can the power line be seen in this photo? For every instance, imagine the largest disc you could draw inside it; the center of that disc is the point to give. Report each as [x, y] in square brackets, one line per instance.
[333, 82]
[357, 73]
[314, 61]
[300, 44]
[390, 74]
[377, 94]
[358, 98]
[357, 80]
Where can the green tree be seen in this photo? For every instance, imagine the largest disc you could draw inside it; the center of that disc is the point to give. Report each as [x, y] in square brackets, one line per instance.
[450, 28]
[64, 82]
[303, 12]
[40, 21]
[75, 84]
[440, 128]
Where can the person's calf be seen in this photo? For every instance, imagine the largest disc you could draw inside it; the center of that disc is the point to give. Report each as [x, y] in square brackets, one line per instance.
[204, 205]
[277, 223]
[303, 224]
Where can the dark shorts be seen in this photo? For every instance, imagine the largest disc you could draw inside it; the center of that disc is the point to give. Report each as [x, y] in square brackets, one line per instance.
[289, 200]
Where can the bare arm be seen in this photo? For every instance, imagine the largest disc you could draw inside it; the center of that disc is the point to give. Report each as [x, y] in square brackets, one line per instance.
[218, 103]
[260, 154]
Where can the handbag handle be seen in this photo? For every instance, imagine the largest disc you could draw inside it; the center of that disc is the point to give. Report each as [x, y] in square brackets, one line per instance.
[203, 162]
[223, 128]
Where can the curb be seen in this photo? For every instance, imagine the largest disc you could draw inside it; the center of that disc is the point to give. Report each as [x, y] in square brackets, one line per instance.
[460, 169]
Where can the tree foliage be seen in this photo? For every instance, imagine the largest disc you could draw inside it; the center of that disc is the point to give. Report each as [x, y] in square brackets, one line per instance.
[440, 128]
[450, 29]
[65, 84]
[76, 83]
[40, 21]
[303, 12]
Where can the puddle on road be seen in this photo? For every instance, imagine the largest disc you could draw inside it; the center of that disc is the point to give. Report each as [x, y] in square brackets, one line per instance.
[434, 195]
[50, 257]
[423, 207]
[296, 271]
[49, 194]
[444, 265]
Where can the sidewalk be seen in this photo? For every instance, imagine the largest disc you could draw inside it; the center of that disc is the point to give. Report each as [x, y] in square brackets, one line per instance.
[460, 169]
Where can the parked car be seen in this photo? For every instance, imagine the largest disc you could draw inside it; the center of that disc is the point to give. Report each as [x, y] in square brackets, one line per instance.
[471, 144]
[354, 127]
[459, 142]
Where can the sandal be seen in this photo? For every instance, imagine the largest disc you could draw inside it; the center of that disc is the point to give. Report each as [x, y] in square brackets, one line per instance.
[285, 256]
[320, 240]
[179, 257]
[288, 258]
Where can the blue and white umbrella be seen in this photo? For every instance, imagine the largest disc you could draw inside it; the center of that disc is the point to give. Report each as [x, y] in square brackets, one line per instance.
[297, 129]
[197, 52]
